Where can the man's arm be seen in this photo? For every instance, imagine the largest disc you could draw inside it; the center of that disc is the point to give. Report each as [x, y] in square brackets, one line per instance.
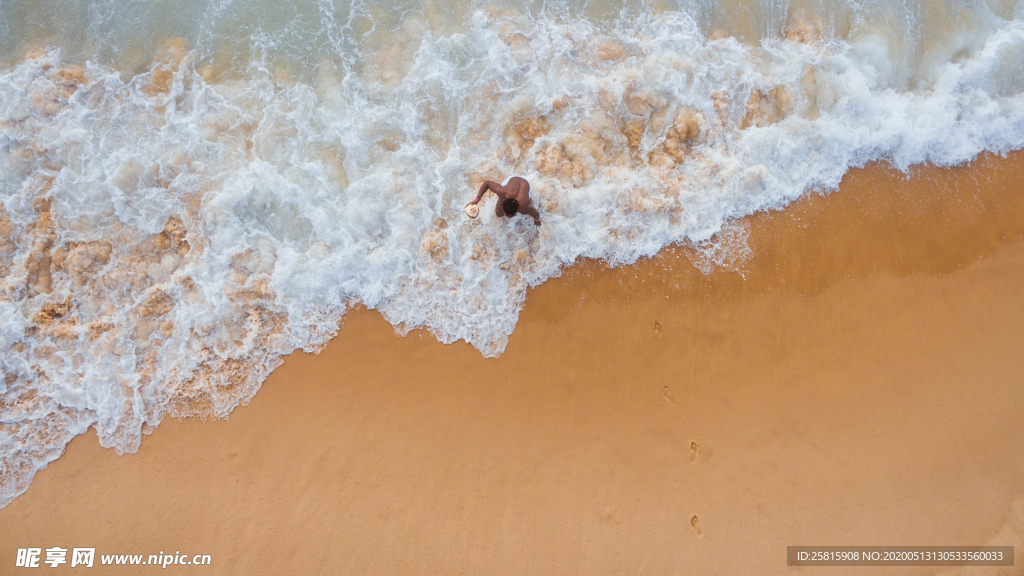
[488, 185]
[531, 211]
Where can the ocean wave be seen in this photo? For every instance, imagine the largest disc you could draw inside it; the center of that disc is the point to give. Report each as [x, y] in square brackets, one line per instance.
[166, 236]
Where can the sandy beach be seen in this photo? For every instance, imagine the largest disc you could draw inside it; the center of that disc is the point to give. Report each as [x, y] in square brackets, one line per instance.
[858, 381]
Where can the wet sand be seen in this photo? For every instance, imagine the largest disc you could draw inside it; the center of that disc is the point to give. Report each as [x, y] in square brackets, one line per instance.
[859, 381]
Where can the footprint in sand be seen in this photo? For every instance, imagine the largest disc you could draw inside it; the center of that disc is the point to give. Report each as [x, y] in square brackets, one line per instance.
[607, 513]
[695, 524]
[657, 328]
[694, 447]
[666, 393]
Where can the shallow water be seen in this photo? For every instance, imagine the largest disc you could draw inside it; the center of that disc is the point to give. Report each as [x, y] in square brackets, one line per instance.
[189, 191]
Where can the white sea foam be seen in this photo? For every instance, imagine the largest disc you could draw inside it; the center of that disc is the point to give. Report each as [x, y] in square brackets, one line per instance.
[166, 238]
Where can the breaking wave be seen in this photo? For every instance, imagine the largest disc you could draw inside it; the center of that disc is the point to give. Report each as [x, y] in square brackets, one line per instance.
[169, 229]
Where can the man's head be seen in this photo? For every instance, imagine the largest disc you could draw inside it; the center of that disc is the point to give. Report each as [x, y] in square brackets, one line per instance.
[510, 206]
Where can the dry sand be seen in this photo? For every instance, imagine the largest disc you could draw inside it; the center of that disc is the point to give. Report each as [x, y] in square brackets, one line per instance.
[859, 381]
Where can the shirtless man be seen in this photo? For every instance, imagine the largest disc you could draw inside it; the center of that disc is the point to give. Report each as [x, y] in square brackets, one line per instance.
[513, 197]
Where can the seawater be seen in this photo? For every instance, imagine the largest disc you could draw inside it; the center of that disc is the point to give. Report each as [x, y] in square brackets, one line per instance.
[190, 190]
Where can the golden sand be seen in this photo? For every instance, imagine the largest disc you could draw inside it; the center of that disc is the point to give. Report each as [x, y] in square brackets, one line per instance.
[858, 381]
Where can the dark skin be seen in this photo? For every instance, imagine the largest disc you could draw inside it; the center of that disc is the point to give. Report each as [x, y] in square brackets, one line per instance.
[517, 188]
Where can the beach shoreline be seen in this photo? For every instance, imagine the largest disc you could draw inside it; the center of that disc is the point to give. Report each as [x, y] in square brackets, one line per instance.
[856, 381]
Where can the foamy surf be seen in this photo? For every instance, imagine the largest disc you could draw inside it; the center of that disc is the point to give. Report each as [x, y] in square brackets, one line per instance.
[168, 235]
